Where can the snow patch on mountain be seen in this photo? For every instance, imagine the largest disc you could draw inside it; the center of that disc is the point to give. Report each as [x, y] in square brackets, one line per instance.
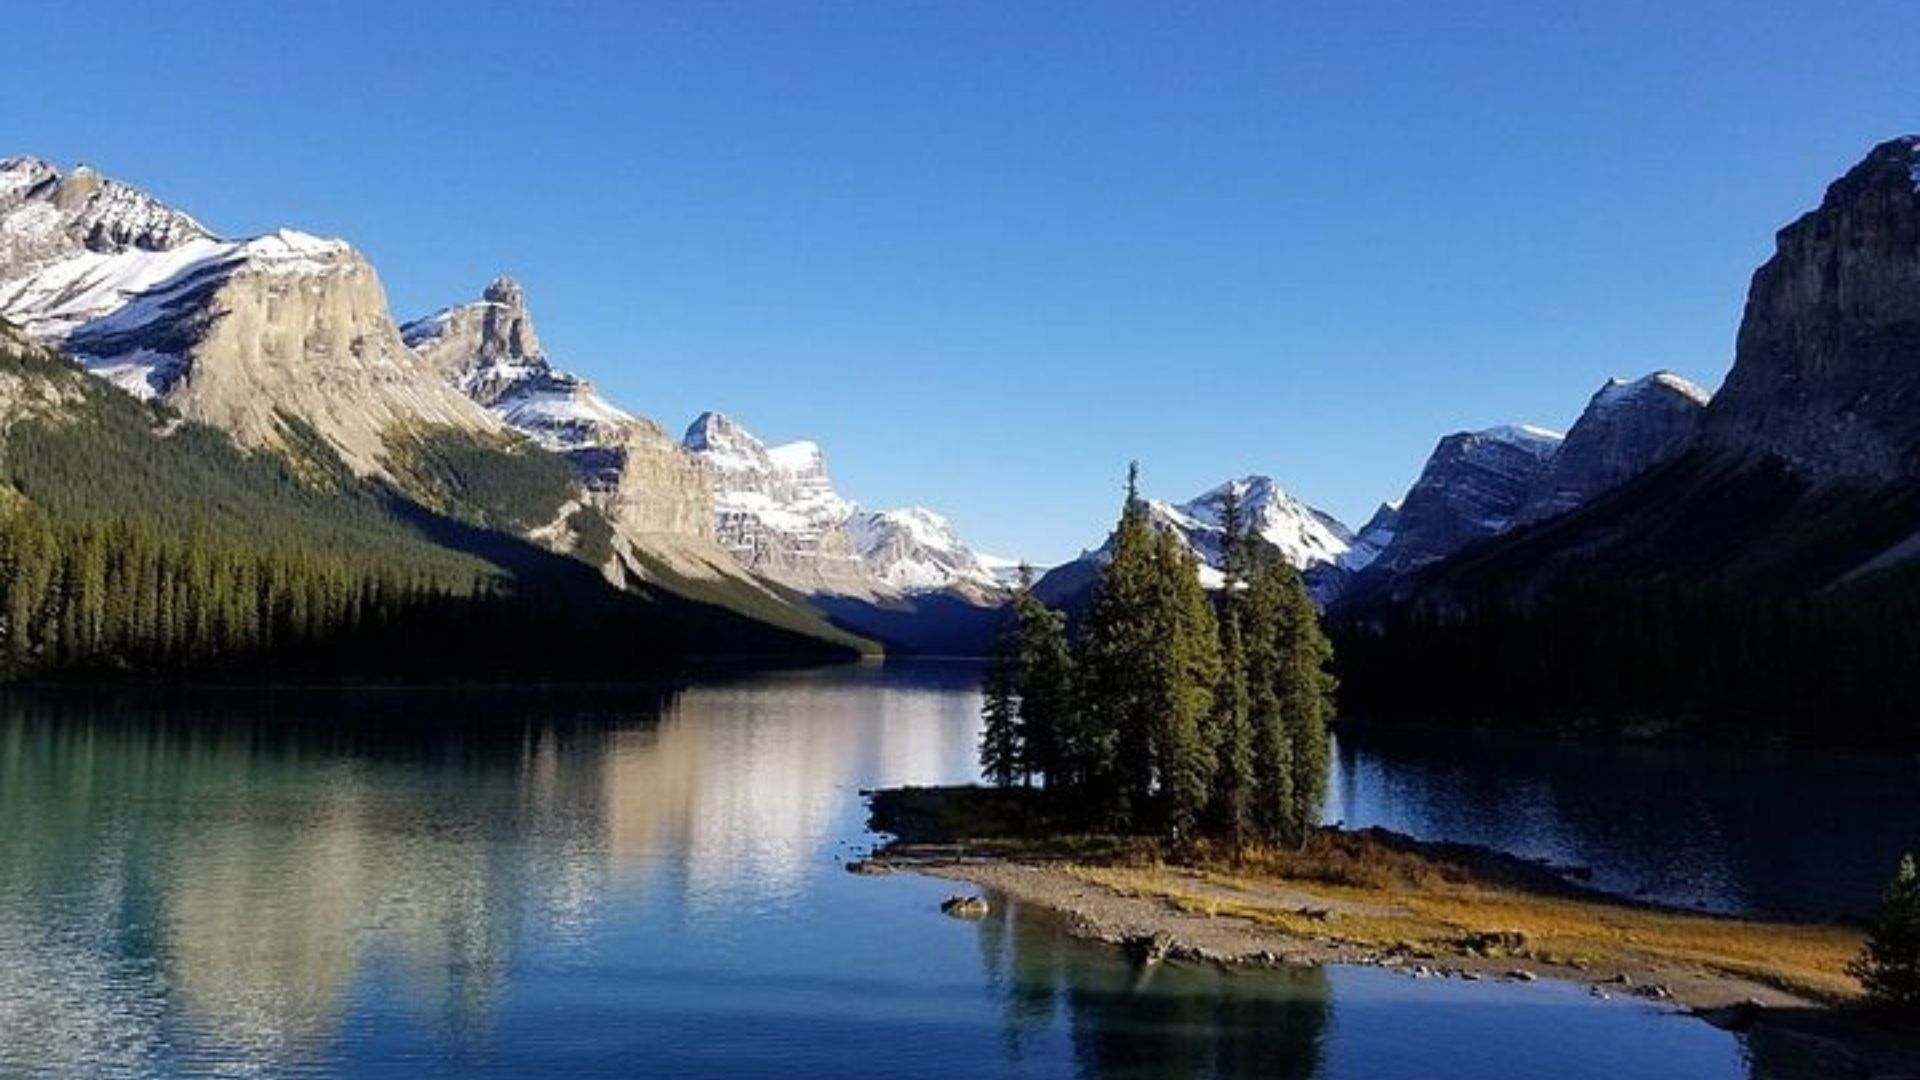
[1373, 537]
[488, 350]
[1304, 536]
[1625, 392]
[916, 550]
[779, 513]
[1308, 538]
[1628, 427]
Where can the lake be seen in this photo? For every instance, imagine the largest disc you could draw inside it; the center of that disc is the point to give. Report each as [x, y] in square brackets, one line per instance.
[628, 882]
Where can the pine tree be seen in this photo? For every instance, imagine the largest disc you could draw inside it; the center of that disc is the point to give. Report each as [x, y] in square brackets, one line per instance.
[1186, 670]
[1047, 721]
[1231, 729]
[1889, 967]
[1272, 747]
[1119, 713]
[1304, 689]
[1231, 813]
[1000, 742]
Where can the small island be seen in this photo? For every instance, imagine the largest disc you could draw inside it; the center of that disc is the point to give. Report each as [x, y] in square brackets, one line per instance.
[1376, 898]
[1157, 778]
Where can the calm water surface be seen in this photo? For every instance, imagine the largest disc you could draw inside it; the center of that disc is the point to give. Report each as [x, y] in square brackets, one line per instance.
[634, 883]
[1724, 828]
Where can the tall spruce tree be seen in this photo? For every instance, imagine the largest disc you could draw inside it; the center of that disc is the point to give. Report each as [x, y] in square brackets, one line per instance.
[1272, 800]
[1185, 667]
[1001, 749]
[1231, 730]
[1115, 685]
[1045, 682]
[1304, 687]
[1290, 691]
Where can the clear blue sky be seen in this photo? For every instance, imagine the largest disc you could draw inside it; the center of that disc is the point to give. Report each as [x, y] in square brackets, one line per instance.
[988, 252]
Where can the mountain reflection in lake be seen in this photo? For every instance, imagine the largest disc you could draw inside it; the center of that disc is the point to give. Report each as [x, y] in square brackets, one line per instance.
[464, 882]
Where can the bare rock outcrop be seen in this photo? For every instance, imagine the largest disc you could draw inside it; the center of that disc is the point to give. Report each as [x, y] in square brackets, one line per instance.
[1826, 371]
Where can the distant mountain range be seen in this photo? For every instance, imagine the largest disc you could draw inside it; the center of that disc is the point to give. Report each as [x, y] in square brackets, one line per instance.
[284, 336]
[1474, 486]
[1806, 456]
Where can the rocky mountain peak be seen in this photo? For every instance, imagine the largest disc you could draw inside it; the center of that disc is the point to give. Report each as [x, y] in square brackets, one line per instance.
[240, 334]
[488, 350]
[726, 444]
[915, 549]
[1826, 372]
[84, 208]
[1628, 427]
[1304, 535]
[1473, 486]
[777, 510]
[505, 291]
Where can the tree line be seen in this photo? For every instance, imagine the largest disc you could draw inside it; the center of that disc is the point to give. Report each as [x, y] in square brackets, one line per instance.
[1832, 665]
[1170, 711]
[124, 597]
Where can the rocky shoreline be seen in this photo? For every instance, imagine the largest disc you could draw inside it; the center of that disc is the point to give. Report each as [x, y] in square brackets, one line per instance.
[1151, 929]
[1169, 913]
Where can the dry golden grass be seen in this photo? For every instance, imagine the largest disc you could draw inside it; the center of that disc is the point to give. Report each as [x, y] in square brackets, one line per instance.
[1354, 889]
[1381, 892]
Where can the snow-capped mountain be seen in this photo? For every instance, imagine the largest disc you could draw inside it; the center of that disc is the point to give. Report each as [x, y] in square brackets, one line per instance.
[252, 335]
[1305, 536]
[488, 349]
[1373, 537]
[778, 512]
[1627, 428]
[1472, 486]
[1308, 538]
[243, 334]
[915, 550]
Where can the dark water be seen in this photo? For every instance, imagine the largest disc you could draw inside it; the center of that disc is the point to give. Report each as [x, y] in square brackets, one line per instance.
[632, 883]
[1725, 828]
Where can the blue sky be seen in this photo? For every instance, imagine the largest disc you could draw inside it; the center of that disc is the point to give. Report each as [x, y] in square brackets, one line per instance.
[987, 252]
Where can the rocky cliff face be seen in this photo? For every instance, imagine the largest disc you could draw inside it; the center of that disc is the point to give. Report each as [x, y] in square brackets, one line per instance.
[1826, 372]
[489, 350]
[1473, 486]
[240, 334]
[777, 511]
[915, 550]
[657, 496]
[1626, 429]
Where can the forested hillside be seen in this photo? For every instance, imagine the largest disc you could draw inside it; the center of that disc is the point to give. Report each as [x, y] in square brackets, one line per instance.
[135, 542]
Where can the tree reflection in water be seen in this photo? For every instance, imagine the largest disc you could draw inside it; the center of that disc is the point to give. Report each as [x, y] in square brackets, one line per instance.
[1162, 1020]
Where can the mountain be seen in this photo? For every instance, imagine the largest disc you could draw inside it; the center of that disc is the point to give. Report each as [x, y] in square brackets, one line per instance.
[915, 550]
[1479, 485]
[1785, 528]
[779, 514]
[656, 496]
[284, 341]
[139, 542]
[1308, 538]
[1472, 486]
[1801, 465]
[489, 351]
[1373, 537]
[241, 334]
[1626, 429]
[1825, 376]
[776, 509]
